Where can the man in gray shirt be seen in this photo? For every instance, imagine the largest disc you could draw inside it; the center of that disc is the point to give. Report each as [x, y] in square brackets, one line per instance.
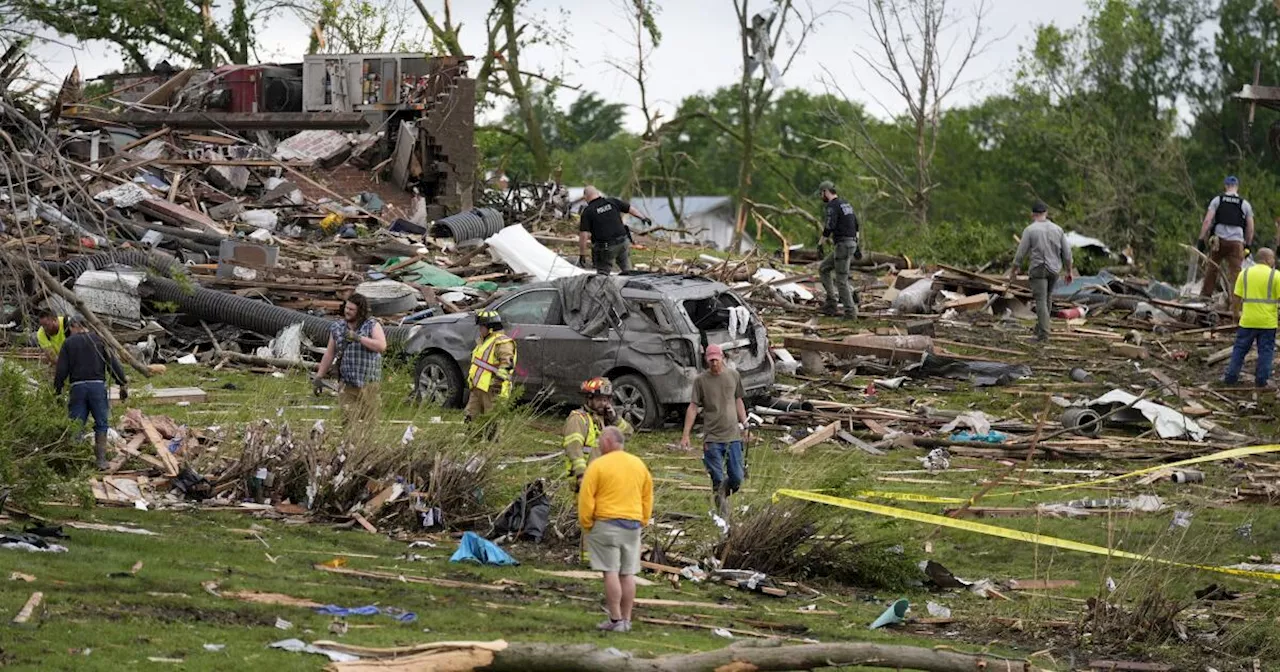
[1230, 220]
[1044, 247]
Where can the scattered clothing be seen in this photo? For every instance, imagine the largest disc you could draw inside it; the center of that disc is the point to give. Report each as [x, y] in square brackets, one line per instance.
[477, 549]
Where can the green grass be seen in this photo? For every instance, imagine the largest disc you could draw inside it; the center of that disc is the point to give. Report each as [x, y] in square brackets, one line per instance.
[164, 612]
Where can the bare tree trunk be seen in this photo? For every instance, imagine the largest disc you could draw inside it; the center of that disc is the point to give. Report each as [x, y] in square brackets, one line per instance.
[746, 128]
[446, 37]
[522, 92]
[747, 655]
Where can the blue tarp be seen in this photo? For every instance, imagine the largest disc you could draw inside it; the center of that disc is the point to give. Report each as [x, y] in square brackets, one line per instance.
[477, 549]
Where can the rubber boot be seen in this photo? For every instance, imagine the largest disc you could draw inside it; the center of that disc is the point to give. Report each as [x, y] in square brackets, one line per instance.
[851, 313]
[100, 450]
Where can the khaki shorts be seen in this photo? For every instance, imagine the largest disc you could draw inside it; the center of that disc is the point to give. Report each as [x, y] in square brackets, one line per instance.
[614, 549]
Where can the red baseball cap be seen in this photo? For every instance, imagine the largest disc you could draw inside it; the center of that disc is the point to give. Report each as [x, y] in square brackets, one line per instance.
[714, 352]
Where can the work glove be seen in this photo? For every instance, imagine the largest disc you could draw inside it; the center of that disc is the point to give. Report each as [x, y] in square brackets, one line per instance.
[647, 222]
[610, 416]
[352, 336]
[124, 393]
[582, 261]
[317, 385]
[1200, 245]
[857, 252]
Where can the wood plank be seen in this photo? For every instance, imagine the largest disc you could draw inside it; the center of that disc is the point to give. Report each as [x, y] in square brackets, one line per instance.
[365, 523]
[824, 434]
[33, 602]
[1041, 584]
[168, 395]
[1129, 666]
[701, 626]
[892, 355]
[162, 448]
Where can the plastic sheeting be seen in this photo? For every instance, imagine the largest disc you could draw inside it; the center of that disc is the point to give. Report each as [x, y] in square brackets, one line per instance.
[1168, 423]
[983, 374]
[527, 517]
[524, 254]
[790, 290]
[477, 549]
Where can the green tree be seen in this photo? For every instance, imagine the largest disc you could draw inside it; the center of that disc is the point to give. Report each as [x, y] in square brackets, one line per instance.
[182, 28]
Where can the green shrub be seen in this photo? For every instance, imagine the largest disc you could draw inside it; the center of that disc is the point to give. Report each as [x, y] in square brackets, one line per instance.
[38, 443]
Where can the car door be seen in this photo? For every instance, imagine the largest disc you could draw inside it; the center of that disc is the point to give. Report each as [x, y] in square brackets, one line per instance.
[525, 316]
[574, 358]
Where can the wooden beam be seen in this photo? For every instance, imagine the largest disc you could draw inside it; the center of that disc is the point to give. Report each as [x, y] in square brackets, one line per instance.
[892, 355]
[824, 434]
[242, 121]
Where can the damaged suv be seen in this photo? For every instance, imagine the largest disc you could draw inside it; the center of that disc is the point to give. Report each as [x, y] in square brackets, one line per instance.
[646, 333]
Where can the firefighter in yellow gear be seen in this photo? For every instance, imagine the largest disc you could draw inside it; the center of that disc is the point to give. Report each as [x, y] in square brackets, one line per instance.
[493, 363]
[583, 426]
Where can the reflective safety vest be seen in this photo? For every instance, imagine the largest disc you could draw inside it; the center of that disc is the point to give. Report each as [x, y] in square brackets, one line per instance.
[53, 344]
[586, 445]
[1260, 303]
[484, 365]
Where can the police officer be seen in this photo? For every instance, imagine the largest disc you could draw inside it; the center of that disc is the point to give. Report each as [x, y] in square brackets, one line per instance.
[1229, 220]
[601, 220]
[841, 226]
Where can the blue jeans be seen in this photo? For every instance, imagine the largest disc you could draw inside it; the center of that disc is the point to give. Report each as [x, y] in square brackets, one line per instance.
[714, 456]
[90, 398]
[1245, 338]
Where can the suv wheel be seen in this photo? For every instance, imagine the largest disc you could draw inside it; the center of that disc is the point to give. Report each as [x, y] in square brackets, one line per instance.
[438, 381]
[635, 401]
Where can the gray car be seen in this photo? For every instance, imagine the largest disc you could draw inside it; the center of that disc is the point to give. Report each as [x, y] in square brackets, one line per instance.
[651, 354]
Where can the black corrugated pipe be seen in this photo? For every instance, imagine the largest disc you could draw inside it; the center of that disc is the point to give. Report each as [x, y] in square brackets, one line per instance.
[210, 304]
[779, 404]
[156, 261]
[246, 313]
[474, 224]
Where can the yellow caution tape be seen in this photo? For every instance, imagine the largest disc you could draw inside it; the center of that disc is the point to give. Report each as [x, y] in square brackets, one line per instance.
[910, 497]
[1213, 457]
[1016, 535]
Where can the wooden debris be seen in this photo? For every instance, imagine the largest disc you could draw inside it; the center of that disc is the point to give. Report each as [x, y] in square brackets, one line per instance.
[823, 434]
[29, 609]
[1042, 584]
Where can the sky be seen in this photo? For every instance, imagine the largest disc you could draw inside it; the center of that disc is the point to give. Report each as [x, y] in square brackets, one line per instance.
[699, 52]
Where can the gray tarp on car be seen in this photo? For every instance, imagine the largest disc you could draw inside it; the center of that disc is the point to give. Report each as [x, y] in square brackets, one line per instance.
[592, 303]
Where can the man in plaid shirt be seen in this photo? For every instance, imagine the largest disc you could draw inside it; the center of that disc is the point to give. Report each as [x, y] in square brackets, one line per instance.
[357, 342]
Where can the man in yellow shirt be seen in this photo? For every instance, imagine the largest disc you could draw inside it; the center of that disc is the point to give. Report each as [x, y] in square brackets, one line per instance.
[614, 504]
[1254, 301]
